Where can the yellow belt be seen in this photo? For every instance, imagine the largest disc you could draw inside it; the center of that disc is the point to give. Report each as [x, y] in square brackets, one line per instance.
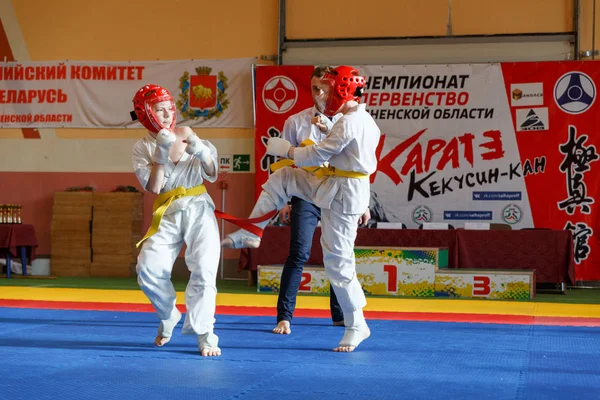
[162, 203]
[319, 172]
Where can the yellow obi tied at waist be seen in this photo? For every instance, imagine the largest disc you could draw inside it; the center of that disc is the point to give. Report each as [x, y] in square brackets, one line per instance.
[162, 203]
[319, 172]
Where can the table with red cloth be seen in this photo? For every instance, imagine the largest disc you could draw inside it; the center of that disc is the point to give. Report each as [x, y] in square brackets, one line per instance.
[548, 252]
[18, 239]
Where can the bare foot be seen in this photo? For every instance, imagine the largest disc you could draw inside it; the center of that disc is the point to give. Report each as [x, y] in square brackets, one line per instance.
[283, 328]
[211, 352]
[165, 330]
[241, 239]
[161, 341]
[338, 323]
[352, 338]
[227, 243]
[208, 344]
[344, 349]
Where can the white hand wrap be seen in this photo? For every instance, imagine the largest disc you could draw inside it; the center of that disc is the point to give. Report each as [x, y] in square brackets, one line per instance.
[164, 141]
[198, 149]
[278, 147]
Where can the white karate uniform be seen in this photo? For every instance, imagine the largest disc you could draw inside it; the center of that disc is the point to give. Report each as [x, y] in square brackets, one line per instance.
[190, 220]
[350, 145]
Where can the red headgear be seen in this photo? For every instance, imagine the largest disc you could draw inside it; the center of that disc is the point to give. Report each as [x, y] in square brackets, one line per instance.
[345, 84]
[142, 107]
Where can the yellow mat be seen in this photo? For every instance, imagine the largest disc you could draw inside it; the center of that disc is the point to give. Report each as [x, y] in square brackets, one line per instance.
[316, 302]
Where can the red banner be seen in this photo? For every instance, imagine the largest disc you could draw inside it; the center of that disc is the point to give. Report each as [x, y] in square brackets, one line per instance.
[512, 143]
[560, 142]
[280, 92]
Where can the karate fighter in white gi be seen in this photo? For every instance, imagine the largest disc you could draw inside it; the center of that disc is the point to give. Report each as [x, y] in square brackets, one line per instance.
[341, 190]
[173, 162]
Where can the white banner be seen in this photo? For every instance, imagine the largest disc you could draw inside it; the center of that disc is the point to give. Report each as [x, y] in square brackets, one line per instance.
[448, 146]
[73, 94]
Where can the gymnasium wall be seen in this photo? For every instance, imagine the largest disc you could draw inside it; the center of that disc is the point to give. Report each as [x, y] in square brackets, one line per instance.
[34, 164]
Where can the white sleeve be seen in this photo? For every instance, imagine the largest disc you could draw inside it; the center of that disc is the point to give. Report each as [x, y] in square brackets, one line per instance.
[289, 132]
[142, 163]
[333, 144]
[215, 161]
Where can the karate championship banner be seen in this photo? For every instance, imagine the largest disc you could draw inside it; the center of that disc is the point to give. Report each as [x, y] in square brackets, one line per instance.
[510, 143]
[71, 94]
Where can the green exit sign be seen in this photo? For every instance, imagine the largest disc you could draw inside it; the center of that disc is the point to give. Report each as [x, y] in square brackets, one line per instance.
[241, 162]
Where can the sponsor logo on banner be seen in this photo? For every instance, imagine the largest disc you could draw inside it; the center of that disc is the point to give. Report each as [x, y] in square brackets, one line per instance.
[527, 94]
[468, 215]
[514, 196]
[422, 214]
[512, 214]
[202, 95]
[280, 94]
[532, 119]
[574, 92]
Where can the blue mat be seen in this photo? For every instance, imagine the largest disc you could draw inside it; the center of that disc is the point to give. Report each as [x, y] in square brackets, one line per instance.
[49, 354]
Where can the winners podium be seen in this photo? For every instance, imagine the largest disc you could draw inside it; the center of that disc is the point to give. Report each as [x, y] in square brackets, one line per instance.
[412, 272]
